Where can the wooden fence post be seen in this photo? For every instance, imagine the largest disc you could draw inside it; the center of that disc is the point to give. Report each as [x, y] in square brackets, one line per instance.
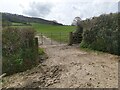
[42, 38]
[36, 48]
[51, 39]
[60, 38]
[70, 38]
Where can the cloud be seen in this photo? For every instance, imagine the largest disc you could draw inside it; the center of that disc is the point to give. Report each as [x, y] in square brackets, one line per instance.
[64, 11]
[119, 6]
[97, 8]
[38, 9]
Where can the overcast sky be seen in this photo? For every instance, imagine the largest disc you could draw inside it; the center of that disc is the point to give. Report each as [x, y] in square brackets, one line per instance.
[63, 11]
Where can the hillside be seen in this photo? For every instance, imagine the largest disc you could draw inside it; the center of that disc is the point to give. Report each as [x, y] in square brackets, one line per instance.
[7, 17]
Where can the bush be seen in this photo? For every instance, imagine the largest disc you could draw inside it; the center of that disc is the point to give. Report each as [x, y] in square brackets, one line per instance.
[19, 50]
[103, 34]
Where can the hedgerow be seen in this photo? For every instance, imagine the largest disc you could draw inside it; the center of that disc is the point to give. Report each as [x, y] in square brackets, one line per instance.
[102, 33]
[19, 50]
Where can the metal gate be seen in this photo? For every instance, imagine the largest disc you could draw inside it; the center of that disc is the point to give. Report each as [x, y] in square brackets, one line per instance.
[53, 38]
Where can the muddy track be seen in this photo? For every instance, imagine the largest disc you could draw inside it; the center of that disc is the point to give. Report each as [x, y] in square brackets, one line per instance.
[69, 67]
[83, 69]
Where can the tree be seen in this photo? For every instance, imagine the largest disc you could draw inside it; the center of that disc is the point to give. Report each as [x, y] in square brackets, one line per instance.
[76, 21]
[77, 35]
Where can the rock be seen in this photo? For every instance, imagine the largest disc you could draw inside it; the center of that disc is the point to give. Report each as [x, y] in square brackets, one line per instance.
[88, 73]
[90, 79]
[98, 82]
[89, 84]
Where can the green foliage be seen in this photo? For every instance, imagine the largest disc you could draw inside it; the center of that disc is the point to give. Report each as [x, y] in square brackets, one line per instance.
[5, 23]
[20, 24]
[41, 51]
[102, 35]
[19, 49]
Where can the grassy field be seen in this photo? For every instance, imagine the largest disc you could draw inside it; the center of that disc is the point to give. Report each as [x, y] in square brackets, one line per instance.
[44, 28]
[57, 33]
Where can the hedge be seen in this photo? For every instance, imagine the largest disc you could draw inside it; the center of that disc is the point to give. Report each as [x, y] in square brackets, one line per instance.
[19, 50]
[102, 33]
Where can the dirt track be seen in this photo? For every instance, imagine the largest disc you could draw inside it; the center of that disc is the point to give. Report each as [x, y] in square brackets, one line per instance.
[69, 67]
[83, 69]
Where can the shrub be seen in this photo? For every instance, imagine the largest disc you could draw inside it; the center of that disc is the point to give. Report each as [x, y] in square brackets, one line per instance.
[103, 34]
[18, 50]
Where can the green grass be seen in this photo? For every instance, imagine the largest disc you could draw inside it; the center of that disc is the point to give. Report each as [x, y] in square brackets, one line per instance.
[20, 24]
[91, 51]
[55, 32]
[17, 24]
[41, 51]
[44, 28]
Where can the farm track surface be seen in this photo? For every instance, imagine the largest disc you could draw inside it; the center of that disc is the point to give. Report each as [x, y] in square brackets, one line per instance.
[69, 67]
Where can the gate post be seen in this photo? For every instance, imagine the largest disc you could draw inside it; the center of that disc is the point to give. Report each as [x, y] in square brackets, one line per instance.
[51, 38]
[41, 38]
[60, 38]
[36, 48]
[70, 38]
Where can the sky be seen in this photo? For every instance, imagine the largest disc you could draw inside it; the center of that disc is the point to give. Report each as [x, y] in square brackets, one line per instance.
[63, 11]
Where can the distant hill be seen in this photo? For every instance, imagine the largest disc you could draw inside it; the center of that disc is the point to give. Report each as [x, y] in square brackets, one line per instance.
[8, 17]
